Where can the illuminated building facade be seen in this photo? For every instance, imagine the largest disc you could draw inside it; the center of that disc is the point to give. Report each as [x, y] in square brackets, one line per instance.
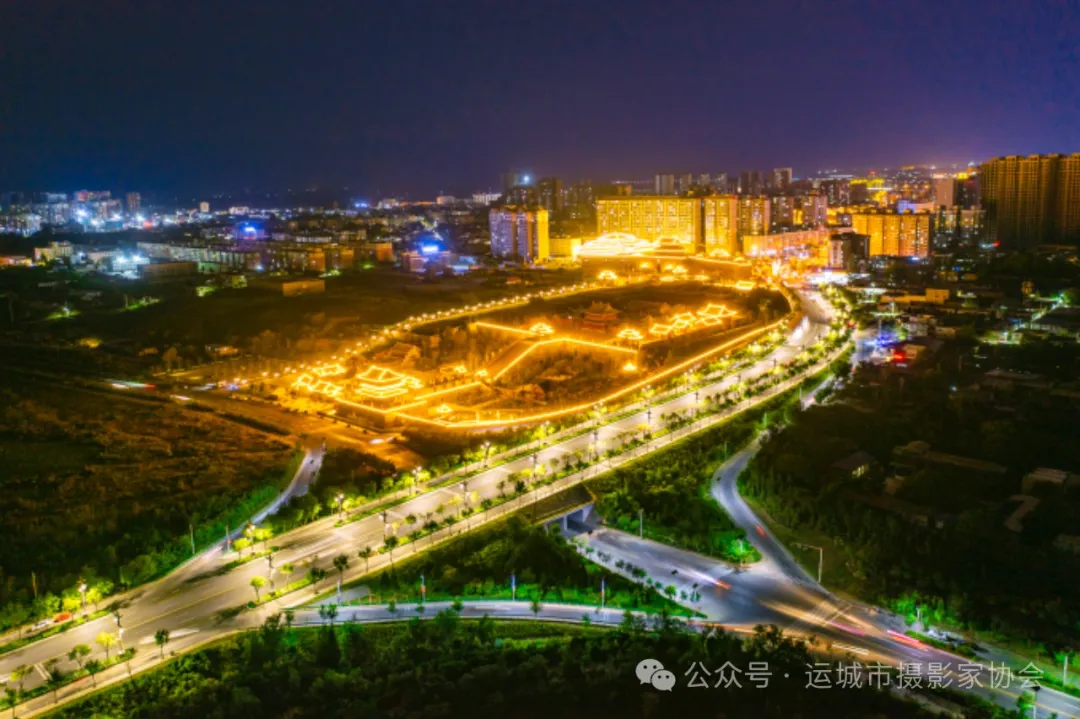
[753, 217]
[564, 246]
[550, 195]
[811, 209]
[652, 218]
[520, 233]
[719, 223]
[895, 234]
[837, 191]
[781, 178]
[1031, 200]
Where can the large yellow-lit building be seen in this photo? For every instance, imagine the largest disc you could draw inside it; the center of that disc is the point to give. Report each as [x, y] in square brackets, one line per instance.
[1031, 200]
[895, 234]
[719, 223]
[565, 247]
[652, 218]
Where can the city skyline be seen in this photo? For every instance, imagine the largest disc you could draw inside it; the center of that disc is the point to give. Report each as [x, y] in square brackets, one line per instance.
[420, 99]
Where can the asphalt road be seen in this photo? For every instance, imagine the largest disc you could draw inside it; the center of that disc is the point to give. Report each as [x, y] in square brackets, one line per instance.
[187, 601]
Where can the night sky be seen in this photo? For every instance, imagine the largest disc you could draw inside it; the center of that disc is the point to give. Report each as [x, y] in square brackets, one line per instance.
[412, 98]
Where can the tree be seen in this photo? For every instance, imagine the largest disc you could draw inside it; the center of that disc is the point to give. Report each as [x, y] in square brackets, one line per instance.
[391, 607]
[106, 641]
[290, 615]
[56, 677]
[240, 545]
[79, 653]
[536, 606]
[457, 605]
[257, 583]
[287, 569]
[365, 554]
[390, 543]
[21, 672]
[328, 612]
[12, 697]
[94, 666]
[161, 638]
[341, 563]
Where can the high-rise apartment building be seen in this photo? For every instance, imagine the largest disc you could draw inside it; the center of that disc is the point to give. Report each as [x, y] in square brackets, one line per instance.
[549, 194]
[1031, 200]
[652, 218]
[519, 233]
[782, 211]
[944, 191]
[134, 203]
[719, 224]
[837, 192]
[811, 209]
[683, 183]
[750, 183]
[664, 185]
[895, 234]
[781, 178]
[753, 217]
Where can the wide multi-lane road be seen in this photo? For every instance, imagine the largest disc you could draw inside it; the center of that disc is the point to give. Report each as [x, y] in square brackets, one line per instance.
[188, 601]
[778, 590]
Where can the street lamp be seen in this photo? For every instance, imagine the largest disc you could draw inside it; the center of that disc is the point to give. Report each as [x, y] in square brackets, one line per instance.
[821, 559]
[340, 505]
[416, 478]
[465, 491]
[487, 446]
[82, 593]
[596, 443]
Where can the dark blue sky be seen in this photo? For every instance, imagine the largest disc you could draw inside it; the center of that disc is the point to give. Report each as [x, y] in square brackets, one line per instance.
[414, 97]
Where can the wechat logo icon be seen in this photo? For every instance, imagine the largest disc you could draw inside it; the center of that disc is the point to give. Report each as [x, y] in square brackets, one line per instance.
[651, 671]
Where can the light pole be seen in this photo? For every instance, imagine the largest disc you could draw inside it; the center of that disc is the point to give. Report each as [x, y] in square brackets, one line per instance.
[385, 516]
[641, 523]
[340, 505]
[487, 446]
[513, 587]
[416, 479]
[596, 444]
[82, 594]
[821, 559]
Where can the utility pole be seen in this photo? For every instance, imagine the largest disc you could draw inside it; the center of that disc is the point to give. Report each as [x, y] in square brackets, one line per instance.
[641, 523]
[191, 530]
